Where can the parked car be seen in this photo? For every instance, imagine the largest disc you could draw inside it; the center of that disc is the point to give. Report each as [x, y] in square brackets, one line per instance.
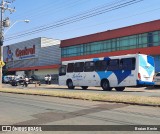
[157, 79]
[34, 79]
[6, 79]
[17, 81]
[54, 78]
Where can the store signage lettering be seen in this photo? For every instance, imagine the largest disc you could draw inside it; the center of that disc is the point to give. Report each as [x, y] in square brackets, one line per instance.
[25, 52]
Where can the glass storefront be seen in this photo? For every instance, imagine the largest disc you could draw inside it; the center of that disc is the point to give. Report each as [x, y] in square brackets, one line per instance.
[124, 43]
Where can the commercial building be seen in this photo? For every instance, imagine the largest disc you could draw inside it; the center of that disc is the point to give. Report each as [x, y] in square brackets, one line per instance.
[141, 38]
[39, 56]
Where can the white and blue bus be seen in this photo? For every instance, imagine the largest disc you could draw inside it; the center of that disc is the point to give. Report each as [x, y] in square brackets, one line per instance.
[108, 72]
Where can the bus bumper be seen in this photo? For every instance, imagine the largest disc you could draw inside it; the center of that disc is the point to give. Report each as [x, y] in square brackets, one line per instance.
[144, 83]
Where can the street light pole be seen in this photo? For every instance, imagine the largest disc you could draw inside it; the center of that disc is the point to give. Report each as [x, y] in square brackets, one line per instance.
[1, 41]
[4, 23]
[27, 21]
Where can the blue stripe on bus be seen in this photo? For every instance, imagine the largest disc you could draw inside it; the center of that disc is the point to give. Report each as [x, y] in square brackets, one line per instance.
[142, 83]
[103, 75]
[143, 64]
[106, 58]
[122, 74]
[150, 60]
[96, 59]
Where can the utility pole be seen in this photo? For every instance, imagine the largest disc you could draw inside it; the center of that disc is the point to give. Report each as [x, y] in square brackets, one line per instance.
[4, 23]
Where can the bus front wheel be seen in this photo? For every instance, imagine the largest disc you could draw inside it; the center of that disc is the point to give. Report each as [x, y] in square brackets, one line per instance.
[70, 84]
[119, 88]
[105, 85]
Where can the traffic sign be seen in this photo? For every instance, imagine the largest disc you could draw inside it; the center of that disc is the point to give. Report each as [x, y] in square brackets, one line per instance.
[2, 63]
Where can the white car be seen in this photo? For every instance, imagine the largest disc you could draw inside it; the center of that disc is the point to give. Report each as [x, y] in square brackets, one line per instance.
[157, 79]
[7, 78]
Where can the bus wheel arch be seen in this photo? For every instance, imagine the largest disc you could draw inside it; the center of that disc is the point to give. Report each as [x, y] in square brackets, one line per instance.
[119, 89]
[69, 83]
[105, 85]
[84, 87]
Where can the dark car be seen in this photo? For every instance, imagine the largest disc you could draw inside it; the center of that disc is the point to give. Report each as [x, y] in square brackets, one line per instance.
[34, 79]
[157, 79]
[17, 82]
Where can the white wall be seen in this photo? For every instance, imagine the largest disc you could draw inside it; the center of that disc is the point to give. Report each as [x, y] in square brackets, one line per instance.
[43, 72]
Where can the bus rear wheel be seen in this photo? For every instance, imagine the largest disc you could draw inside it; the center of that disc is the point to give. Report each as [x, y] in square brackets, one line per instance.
[84, 87]
[70, 84]
[119, 88]
[105, 85]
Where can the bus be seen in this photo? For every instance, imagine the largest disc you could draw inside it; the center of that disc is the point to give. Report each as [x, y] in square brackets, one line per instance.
[108, 72]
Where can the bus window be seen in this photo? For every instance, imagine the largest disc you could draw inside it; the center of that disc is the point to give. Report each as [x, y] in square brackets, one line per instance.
[100, 65]
[70, 67]
[62, 70]
[128, 64]
[113, 65]
[78, 67]
[89, 66]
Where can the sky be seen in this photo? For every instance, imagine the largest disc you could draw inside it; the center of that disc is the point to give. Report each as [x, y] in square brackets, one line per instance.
[65, 19]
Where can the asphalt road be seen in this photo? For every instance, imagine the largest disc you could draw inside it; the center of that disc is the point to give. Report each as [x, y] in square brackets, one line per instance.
[16, 109]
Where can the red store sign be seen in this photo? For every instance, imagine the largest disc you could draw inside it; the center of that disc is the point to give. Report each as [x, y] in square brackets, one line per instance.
[25, 51]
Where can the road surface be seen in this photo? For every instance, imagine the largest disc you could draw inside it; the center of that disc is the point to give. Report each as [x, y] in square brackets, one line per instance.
[16, 109]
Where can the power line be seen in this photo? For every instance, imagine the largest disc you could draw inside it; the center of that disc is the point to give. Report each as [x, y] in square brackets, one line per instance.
[82, 13]
[86, 27]
[33, 14]
[37, 9]
[75, 19]
[57, 9]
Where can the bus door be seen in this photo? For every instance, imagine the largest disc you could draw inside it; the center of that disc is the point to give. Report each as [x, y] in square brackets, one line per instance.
[62, 75]
[116, 77]
[71, 73]
[78, 75]
[90, 74]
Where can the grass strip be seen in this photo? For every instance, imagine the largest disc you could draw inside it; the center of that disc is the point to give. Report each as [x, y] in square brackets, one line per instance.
[118, 98]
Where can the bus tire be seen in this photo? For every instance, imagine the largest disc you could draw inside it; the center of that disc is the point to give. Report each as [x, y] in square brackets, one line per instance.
[84, 87]
[70, 84]
[119, 88]
[105, 85]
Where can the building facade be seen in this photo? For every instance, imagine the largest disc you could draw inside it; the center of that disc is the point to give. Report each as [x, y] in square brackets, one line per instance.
[141, 38]
[39, 56]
